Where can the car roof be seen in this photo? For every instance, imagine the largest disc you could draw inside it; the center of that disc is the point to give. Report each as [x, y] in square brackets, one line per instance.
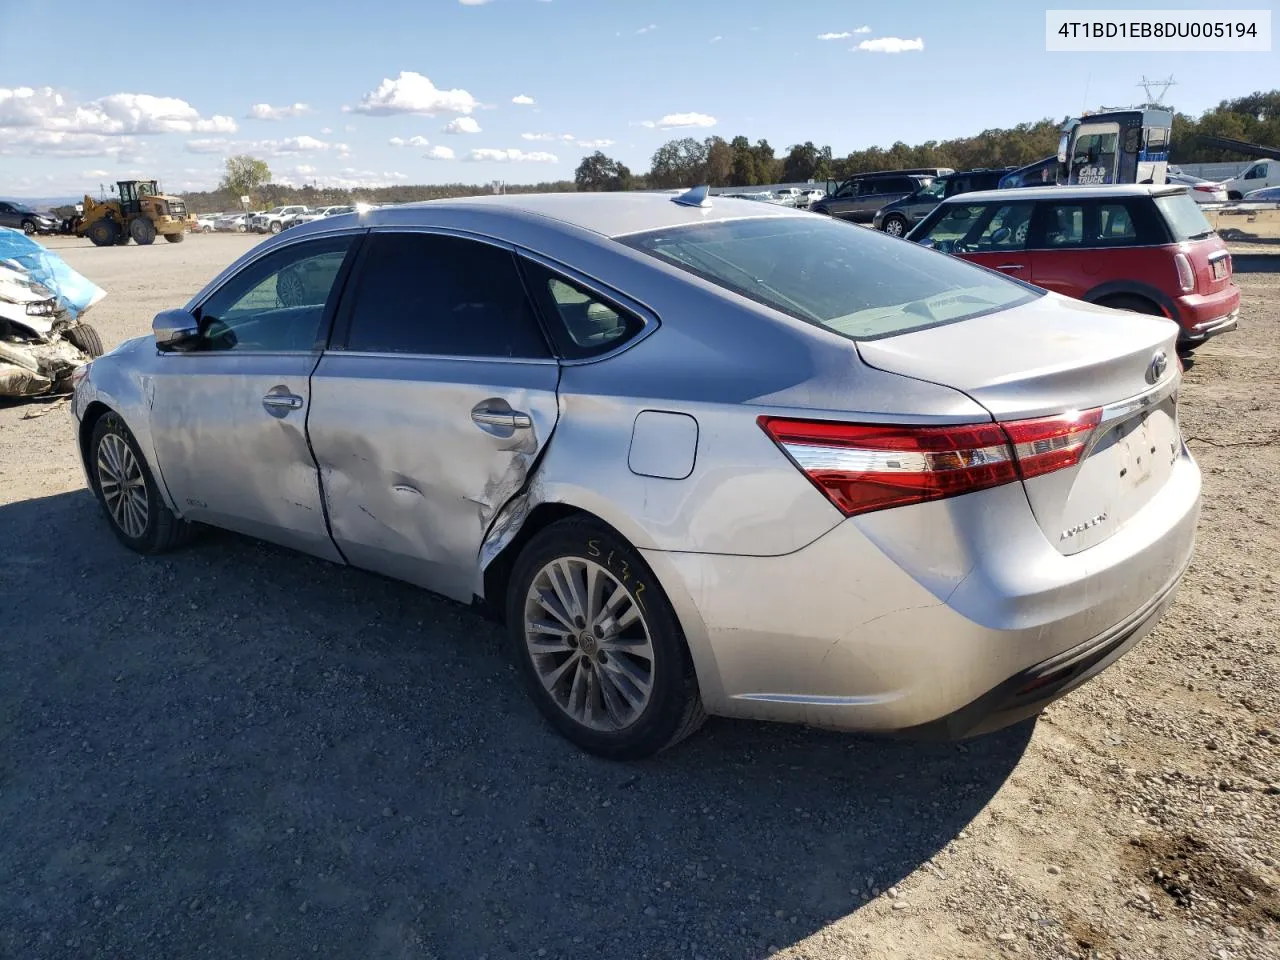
[1070, 193]
[607, 214]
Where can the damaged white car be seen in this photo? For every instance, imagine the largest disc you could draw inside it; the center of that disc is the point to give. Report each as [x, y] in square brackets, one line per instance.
[43, 339]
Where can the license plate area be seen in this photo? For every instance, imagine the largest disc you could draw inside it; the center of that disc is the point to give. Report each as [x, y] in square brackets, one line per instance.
[1219, 268]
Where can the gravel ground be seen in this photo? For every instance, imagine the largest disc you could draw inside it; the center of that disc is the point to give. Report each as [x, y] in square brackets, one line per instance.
[234, 751]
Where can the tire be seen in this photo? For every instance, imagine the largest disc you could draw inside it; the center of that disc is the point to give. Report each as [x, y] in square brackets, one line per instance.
[276, 226]
[86, 339]
[1132, 303]
[143, 231]
[894, 225]
[206, 229]
[103, 233]
[629, 724]
[175, 237]
[28, 227]
[113, 452]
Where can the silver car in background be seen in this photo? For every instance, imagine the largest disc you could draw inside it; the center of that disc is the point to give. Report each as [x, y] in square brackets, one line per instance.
[702, 456]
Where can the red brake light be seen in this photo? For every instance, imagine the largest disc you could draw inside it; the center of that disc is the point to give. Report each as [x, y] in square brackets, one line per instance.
[865, 467]
[1186, 276]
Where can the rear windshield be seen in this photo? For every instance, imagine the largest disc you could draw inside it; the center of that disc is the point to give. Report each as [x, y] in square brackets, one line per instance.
[851, 280]
[1183, 216]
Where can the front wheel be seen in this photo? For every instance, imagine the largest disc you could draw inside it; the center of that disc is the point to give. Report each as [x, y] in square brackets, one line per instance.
[598, 644]
[127, 492]
[894, 226]
[276, 226]
[86, 339]
[103, 233]
[175, 237]
[28, 227]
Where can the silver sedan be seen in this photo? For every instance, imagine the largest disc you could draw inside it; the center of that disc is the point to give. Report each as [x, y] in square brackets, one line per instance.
[703, 456]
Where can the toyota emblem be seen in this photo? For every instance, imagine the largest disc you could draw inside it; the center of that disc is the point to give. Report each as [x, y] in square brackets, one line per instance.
[1155, 370]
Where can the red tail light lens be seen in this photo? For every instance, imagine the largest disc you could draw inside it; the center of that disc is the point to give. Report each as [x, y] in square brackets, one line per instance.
[865, 467]
[1186, 276]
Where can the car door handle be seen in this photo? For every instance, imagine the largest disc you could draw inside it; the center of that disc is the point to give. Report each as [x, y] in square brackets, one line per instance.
[509, 419]
[282, 401]
[1012, 266]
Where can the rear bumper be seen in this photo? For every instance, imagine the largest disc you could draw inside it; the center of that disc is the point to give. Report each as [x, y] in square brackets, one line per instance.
[1203, 330]
[1202, 317]
[927, 620]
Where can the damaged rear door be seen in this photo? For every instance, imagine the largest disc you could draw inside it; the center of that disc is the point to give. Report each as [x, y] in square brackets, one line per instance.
[430, 407]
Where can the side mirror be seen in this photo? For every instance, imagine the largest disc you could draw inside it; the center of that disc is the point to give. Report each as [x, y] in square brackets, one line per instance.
[174, 329]
[1062, 147]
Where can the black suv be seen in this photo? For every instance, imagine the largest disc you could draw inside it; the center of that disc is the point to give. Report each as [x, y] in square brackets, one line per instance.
[898, 217]
[859, 197]
[21, 217]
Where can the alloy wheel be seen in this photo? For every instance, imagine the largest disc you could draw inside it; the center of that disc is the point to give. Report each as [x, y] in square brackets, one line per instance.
[589, 641]
[124, 488]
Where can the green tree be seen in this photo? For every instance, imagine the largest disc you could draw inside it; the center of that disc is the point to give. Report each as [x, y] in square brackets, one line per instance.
[719, 162]
[742, 171]
[805, 161]
[768, 167]
[679, 163]
[598, 172]
[244, 175]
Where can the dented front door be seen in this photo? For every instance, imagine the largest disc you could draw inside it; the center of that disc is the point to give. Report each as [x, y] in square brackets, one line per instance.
[417, 454]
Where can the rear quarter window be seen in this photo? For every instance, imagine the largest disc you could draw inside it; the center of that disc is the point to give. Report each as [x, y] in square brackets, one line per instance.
[1183, 217]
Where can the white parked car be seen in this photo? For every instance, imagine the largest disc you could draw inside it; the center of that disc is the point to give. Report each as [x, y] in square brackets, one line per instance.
[812, 196]
[1201, 190]
[207, 222]
[319, 214]
[1259, 174]
[788, 195]
[273, 220]
[231, 223]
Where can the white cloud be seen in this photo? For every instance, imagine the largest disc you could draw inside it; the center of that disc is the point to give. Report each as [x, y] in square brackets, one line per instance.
[439, 153]
[474, 3]
[411, 142]
[413, 93]
[716, 39]
[890, 45]
[675, 121]
[287, 146]
[94, 174]
[511, 156]
[523, 99]
[116, 114]
[595, 144]
[326, 130]
[863, 30]
[264, 111]
[462, 125]
[842, 35]
[649, 29]
[27, 141]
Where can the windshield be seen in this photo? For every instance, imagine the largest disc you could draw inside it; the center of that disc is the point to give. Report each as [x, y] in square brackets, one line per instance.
[933, 190]
[1183, 216]
[847, 279]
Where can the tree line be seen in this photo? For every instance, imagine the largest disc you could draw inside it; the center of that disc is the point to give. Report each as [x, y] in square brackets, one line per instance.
[741, 163]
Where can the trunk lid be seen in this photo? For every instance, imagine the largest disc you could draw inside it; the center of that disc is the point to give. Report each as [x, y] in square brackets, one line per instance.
[1052, 356]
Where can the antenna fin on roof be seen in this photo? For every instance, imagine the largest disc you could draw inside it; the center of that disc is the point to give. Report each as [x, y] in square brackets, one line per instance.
[697, 197]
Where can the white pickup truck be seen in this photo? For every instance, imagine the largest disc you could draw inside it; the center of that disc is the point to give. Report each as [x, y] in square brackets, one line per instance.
[275, 219]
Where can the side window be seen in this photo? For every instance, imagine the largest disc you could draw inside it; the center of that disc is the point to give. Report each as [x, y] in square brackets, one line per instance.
[847, 190]
[442, 296]
[583, 323]
[1064, 225]
[276, 303]
[1256, 172]
[1115, 224]
[1006, 230]
[955, 223]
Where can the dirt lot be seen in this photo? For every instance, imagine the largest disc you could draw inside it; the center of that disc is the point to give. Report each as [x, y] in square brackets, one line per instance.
[233, 751]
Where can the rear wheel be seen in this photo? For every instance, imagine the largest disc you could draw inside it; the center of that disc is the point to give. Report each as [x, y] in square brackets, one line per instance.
[28, 227]
[103, 233]
[1133, 303]
[86, 339]
[175, 237]
[598, 644]
[124, 486]
[143, 231]
[894, 225]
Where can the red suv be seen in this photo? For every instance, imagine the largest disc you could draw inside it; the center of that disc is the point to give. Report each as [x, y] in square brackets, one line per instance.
[1134, 247]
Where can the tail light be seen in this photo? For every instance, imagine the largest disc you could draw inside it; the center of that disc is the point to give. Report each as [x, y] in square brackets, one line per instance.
[865, 467]
[1186, 276]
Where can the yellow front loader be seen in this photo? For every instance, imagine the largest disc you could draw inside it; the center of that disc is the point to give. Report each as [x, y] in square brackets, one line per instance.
[139, 212]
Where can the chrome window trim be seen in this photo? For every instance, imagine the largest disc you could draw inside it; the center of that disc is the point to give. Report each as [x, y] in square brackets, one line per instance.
[374, 354]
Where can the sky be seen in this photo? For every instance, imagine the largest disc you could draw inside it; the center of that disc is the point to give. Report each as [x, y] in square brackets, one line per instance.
[380, 92]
